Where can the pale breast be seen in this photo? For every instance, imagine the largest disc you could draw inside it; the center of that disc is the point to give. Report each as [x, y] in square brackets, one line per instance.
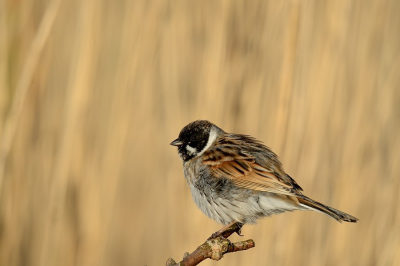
[219, 199]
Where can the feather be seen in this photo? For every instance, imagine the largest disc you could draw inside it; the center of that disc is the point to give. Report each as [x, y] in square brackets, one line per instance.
[237, 157]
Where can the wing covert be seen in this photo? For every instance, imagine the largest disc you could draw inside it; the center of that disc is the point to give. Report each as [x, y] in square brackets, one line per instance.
[227, 159]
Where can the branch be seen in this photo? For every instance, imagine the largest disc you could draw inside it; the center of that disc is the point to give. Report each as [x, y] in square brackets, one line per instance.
[215, 247]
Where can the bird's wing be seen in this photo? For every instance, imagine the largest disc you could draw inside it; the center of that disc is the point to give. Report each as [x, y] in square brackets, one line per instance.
[232, 161]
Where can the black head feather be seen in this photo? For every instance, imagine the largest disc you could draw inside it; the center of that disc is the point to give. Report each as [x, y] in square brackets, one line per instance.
[193, 139]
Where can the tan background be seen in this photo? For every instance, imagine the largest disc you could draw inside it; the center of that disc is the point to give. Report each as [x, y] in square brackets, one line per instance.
[93, 92]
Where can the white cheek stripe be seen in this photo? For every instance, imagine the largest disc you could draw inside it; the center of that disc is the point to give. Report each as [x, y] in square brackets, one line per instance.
[191, 150]
[211, 139]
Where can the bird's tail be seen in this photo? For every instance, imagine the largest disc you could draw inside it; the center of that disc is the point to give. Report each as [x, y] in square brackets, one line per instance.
[316, 206]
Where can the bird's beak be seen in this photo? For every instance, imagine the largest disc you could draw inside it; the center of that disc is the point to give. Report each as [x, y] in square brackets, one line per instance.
[177, 142]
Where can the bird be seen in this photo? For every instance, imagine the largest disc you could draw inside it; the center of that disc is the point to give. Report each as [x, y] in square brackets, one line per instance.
[235, 178]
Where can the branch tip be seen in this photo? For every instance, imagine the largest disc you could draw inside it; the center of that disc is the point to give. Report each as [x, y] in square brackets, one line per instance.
[215, 247]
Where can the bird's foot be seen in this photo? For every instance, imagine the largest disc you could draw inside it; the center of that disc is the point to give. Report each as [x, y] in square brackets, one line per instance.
[228, 230]
[239, 231]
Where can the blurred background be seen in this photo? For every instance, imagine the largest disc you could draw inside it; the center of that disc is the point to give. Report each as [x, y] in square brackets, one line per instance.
[93, 92]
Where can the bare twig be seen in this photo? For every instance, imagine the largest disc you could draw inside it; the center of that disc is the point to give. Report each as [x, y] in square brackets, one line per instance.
[214, 248]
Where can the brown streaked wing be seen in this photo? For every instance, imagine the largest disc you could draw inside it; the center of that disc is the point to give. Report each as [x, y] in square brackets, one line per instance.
[244, 171]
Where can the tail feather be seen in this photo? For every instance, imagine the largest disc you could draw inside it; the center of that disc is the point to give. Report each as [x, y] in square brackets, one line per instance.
[316, 206]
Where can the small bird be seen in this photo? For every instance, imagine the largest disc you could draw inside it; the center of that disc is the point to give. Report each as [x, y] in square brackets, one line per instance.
[235, 178]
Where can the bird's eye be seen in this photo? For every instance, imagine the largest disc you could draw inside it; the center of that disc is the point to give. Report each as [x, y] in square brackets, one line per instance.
[192, 138]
